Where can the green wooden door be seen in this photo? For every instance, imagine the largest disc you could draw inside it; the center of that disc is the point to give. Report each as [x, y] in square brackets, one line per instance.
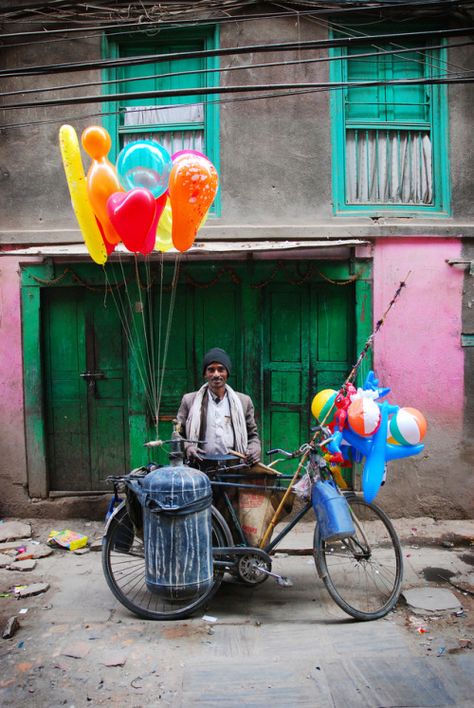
[86, 390]
[307, 346]
[201, 318]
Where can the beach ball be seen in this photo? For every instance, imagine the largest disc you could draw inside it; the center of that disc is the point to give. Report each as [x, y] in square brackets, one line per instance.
[322, 404]
[363, 416]
[407, 427]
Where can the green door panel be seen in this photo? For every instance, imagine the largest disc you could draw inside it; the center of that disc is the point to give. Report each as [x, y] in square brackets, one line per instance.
[86, 419]
[286, 342]
[108, 396]
[66, 399]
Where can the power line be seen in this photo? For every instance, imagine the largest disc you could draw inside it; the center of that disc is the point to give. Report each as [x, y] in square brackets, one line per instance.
[242, 67]
[226, 51]
[336, 9]
[464, 77]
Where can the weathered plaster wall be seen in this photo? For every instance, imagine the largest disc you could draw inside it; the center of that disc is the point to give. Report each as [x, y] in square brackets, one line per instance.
[12, 435]
[418, 354]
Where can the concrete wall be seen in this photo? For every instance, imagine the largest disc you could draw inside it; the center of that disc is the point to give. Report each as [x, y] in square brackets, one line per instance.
[12, 438]
[275, 182]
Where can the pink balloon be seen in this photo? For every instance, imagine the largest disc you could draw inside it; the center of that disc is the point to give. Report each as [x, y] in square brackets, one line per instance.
[132, 214]
[187, 153]
[149, 243]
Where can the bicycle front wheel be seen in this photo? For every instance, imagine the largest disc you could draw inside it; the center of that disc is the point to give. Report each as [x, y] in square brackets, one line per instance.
[363, 574]
[123, 561]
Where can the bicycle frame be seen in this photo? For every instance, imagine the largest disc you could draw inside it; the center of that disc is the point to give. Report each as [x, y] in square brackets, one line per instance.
[267, 547]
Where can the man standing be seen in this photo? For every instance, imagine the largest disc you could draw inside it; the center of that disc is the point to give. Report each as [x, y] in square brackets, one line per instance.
[218, 415]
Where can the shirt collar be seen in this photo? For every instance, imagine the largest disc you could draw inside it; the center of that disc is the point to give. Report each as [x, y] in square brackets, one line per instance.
[214, 398]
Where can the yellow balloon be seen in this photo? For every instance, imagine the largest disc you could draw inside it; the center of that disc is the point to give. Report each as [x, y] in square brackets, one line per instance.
[77, 183]
[163, 232]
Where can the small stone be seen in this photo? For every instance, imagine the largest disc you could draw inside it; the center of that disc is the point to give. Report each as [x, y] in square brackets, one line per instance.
[11, 546]
[430, 599]
[78, 650]
[22, 565]
[10, 628]
[81, 551]
[34, 589]
[11, 530]
[4, 560]
[114, 658]
[39, 550]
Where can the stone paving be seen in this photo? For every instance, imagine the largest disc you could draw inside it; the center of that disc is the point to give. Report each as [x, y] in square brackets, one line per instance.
[263, 646]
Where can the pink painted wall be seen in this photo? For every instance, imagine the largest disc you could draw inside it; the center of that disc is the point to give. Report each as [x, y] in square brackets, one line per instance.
[12, 437]
[418, 350]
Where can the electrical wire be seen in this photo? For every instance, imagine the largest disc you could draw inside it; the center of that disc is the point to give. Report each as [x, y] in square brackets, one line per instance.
[226, 51]
[462, 77]
[242, 67]
[336, 9]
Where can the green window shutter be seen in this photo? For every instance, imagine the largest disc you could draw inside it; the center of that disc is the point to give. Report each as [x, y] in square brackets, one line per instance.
[176, 122]
[389, 141]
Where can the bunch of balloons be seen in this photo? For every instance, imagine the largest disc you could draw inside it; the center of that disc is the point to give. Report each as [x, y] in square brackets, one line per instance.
[149, 200]
[363, 427]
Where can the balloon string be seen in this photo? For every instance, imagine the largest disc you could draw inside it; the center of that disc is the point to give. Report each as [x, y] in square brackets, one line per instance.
[378, 325]
[174, 288]
[368, 344]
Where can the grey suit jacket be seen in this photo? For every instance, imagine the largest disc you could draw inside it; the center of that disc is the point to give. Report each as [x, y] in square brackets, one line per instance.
[187, 401]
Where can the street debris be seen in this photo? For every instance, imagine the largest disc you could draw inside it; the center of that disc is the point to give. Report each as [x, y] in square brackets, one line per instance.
[12, 530]
[30, 590]
[431, 599]
[11, 627]
[209, 618]
[67, 539]
[114, 658]
[78, 650]
[22, 565]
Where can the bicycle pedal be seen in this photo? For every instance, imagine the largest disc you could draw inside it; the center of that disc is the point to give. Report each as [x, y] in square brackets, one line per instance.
[284, 582]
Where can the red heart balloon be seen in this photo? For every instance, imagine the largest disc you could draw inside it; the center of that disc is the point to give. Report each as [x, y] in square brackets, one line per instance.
[132, 214]
[149, 243]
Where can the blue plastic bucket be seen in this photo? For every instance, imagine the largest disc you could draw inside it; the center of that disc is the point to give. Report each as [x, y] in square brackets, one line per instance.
[332, 511]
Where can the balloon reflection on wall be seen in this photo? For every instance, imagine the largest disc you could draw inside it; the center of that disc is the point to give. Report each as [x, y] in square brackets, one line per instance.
[149, 200]
[389, 433]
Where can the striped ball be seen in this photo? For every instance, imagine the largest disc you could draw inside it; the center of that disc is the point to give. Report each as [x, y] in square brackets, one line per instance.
[363, 416]
[407, 427]
[322, 404]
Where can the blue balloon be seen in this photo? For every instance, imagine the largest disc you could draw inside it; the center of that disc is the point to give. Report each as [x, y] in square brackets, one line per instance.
[145, 164]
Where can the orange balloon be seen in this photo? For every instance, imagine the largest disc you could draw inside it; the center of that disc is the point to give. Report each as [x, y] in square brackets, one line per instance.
[192, 187]
[102, 178]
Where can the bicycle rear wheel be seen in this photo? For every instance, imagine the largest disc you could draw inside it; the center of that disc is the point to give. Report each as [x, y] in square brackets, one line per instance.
[123, 562]
[362, 574]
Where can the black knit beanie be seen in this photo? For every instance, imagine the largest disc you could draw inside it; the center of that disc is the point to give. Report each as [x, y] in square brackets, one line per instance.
[218, 355]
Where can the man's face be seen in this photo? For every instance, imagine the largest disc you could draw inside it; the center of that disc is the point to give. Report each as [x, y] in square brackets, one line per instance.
[216, 376]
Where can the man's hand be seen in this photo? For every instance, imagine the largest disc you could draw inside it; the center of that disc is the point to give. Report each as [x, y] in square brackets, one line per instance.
[194, 452]
[252, 457]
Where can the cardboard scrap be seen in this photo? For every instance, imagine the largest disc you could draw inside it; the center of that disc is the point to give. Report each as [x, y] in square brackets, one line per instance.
[67, 539]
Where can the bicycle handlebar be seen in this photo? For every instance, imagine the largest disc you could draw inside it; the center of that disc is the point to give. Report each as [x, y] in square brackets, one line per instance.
[279, 451]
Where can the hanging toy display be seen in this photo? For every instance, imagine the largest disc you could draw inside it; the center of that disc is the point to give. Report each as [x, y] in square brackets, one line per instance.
[374, 430]
[407, 427]
[322, 405]
[363, 416]
[148, 200]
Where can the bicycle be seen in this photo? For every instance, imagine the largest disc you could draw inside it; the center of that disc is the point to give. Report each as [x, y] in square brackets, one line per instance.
[362, 572]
